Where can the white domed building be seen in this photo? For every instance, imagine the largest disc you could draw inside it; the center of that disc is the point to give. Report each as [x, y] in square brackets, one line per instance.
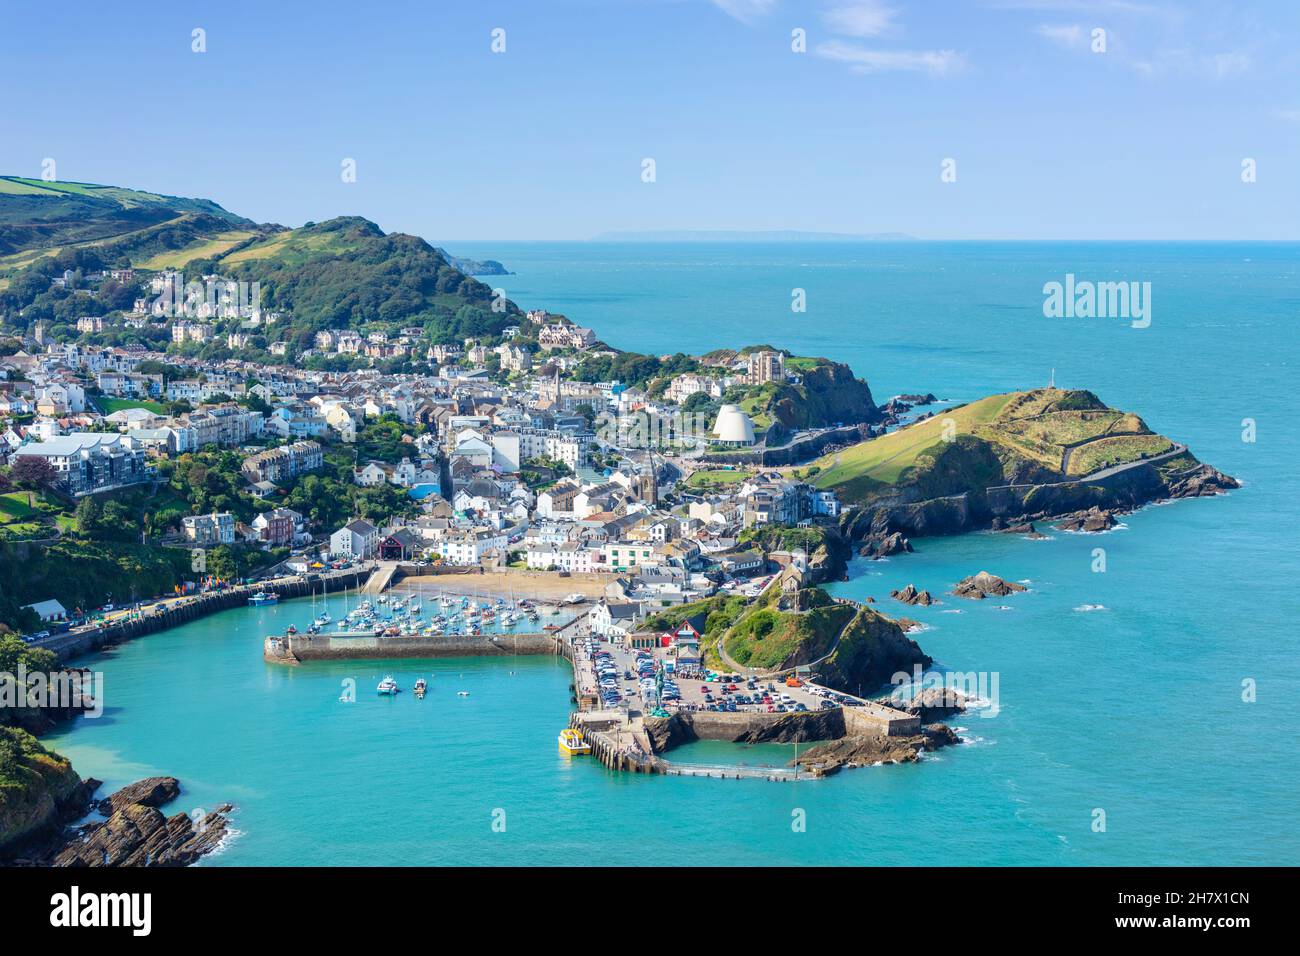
[733, 427]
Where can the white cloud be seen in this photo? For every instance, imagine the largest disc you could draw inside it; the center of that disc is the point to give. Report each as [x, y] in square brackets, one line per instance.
[1068, 35]
[1291, 116]
[863, 60]
[1227, 64]
[746, 11]
[860, 18]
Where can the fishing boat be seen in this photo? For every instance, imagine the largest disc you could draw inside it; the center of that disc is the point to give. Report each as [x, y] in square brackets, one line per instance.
[388, 687]
[421, 686]
[572, 744]
[264, 597]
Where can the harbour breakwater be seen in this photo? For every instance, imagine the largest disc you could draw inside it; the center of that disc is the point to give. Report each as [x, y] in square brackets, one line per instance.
[299, 648]
[853, 736]
[184, 610]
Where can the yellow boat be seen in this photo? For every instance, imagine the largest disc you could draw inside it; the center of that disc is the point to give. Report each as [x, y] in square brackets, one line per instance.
[572, 744]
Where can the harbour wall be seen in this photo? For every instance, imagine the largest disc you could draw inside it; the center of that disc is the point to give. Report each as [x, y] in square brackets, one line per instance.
[300, 648]
[869, 720]
[184, 610]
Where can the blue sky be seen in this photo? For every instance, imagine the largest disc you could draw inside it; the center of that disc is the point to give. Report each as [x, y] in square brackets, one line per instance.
[546, 140]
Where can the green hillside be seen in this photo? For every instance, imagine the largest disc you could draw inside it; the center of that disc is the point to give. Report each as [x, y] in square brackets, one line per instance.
[40, 218]
[1040, 435]
[348, 272]
[342, 273]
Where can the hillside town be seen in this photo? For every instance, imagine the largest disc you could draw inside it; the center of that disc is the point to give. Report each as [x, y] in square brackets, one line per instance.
[492, 456]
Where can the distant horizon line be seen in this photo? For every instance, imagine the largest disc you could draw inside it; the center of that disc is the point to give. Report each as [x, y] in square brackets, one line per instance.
[604, 238]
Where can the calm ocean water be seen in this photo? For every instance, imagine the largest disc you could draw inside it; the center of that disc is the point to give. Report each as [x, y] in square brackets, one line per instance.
[1135, 710]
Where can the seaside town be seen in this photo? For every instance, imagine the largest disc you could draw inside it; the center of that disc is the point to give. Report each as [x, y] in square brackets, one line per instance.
[433, 472]
[476, 456]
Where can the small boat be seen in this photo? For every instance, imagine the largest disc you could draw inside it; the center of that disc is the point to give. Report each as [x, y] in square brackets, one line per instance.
[387, 687]
[324, 619]
[572, 744]
[291, 630]
[462, 693]
[264, 597]
[421, 686]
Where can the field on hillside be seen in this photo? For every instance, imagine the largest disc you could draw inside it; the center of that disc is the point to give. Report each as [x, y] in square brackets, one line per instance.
[883, 459]
[1114, 451]
[1068, 432]
[716, 476]
[111, 405]
[203, 249]
[293, 247]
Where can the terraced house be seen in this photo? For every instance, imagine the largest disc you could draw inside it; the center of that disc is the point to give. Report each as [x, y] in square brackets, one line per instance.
[281, 464]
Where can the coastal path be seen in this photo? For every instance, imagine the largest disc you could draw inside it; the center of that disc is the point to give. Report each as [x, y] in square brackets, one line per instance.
[1102, 474]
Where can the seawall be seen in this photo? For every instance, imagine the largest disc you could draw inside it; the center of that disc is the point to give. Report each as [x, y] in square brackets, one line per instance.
[175, 613]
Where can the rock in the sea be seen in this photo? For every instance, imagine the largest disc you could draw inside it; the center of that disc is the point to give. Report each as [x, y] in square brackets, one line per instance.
[910, 595]
[139, 835]
[979, 586]
[883, 545]
[936, 703]
[1020, 527]
[1093, 520]
[829, 757]
[150, 792]
[1200, 481]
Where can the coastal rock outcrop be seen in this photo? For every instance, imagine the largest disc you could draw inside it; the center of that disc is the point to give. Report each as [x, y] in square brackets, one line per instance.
[39, 792]
[150, 792]
[1092, 520]
[883, 545]
[140, 835]
[871, 649]
[135, 832]
[1025, 528]
[865, 751]
[979, 586]
[935, 703]
[910, 595]
[1201, 481]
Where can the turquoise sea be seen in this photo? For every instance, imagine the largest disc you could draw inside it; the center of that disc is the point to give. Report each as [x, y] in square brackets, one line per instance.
[1135, 710]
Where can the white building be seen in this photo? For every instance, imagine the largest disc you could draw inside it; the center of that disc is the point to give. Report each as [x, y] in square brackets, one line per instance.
[357, 539]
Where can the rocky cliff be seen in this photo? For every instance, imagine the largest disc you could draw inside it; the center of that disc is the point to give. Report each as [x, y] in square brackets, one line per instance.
[39, 790]
[871, 649]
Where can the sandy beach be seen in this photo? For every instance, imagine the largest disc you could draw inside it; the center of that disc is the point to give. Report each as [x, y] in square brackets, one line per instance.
[534, 585]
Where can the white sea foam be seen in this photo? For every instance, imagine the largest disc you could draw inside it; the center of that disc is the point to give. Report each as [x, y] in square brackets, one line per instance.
[1092, 607]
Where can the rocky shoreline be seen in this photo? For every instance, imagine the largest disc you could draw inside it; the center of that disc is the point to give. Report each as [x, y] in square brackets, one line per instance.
[885, 529]
[133, 831]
